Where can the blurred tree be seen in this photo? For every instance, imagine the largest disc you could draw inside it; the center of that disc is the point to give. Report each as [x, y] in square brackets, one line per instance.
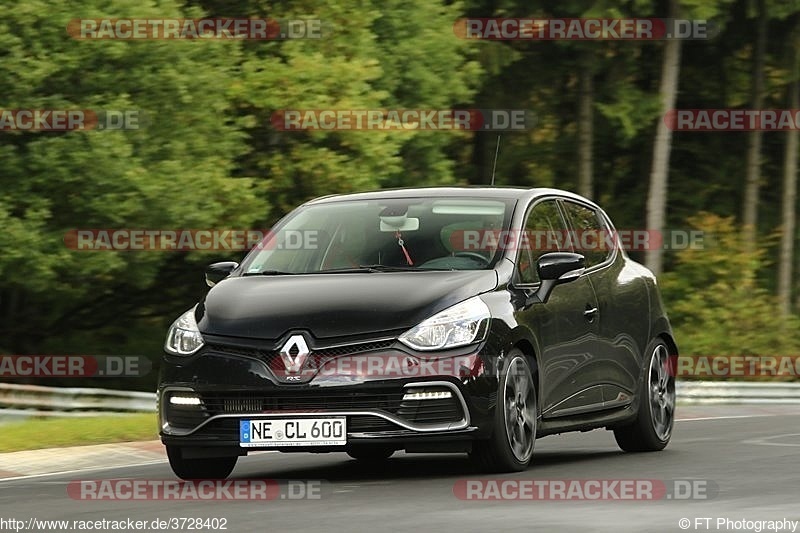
[753, 163]
[789, 203]
[657, 195]
[173, 172]
[586, 127]
[375, 55]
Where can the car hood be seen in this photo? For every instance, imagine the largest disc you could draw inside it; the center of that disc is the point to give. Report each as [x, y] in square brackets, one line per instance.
[334, 305]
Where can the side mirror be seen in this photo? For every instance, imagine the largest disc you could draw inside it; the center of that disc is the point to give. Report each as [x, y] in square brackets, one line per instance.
[216, 272]
[554, 269]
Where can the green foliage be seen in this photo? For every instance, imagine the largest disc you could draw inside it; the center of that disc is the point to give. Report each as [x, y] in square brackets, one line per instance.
[714, 299]
[174, 172]
[209, 157]
[389, 55]
[632, 111]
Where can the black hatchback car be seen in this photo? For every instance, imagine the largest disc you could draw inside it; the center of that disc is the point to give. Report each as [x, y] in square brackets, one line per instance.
[427, 320]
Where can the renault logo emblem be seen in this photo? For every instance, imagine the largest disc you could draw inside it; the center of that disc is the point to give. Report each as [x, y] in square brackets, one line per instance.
[294, 353]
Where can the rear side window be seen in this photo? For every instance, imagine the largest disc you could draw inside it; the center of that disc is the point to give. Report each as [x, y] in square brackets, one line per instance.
[590, 235]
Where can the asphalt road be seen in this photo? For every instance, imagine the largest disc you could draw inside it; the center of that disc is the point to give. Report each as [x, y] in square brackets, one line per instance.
[749, 458]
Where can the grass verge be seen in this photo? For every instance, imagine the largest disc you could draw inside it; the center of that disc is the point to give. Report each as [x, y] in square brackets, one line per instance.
[39, 433]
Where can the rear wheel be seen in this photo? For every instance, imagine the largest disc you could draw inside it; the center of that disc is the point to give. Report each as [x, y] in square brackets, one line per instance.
[510, 447]
[205, 468]
[653, 426]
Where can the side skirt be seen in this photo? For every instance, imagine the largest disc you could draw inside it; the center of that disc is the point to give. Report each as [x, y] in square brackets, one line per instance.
[604, 419]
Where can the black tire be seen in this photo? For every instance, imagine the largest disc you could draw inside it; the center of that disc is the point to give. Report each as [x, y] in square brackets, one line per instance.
[652, 429]
[207, 468]
[505, 450]
[370, 453]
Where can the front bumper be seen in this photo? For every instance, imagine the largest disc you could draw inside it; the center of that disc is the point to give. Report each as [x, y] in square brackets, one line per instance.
[234, 383]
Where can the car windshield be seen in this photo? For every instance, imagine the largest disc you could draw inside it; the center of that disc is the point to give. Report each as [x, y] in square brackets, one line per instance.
[383, 235]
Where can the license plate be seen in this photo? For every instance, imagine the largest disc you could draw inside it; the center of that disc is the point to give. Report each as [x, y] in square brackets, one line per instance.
[329, 431]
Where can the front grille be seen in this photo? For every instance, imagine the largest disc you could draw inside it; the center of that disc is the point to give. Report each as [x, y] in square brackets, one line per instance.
[350, 349]
[241, 405]
[432, 411]
[226, 349]
[247, 402]
[422, 406]
[319, 353]
[315, 360]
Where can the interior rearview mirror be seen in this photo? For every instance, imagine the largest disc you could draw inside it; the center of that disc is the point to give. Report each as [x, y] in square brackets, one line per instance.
[401, 223]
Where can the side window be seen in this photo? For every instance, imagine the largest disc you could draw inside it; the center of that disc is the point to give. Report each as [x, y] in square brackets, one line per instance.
[589, 237]
[544, 231]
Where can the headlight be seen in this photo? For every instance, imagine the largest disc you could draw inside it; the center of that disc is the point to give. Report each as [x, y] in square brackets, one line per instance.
[459, 325]
[184, 337]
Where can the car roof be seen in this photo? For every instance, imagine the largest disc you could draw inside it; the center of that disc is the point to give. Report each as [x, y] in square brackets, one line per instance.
[505, 193]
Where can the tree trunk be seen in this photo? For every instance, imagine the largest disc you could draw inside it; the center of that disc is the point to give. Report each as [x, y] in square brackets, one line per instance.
[753, 163]
[789, 215]
[659, 173]
[586, 129]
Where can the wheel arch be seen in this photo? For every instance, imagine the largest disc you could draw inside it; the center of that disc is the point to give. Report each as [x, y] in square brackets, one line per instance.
[527, 348]
[662, 329]
[671, 344]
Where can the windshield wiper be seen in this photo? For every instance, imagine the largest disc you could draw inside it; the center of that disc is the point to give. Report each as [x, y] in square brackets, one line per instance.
[269, 273]
[375, 268]
[387, 268]
[345, 270]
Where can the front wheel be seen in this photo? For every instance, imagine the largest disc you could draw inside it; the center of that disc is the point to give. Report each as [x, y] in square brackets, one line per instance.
[510, 447]
[206, 468]
[652, 428]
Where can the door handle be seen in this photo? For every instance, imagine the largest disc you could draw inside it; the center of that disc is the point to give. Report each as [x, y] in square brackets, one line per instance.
[590, 312]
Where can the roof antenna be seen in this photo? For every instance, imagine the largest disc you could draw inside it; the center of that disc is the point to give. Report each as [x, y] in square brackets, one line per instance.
[494, 165]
